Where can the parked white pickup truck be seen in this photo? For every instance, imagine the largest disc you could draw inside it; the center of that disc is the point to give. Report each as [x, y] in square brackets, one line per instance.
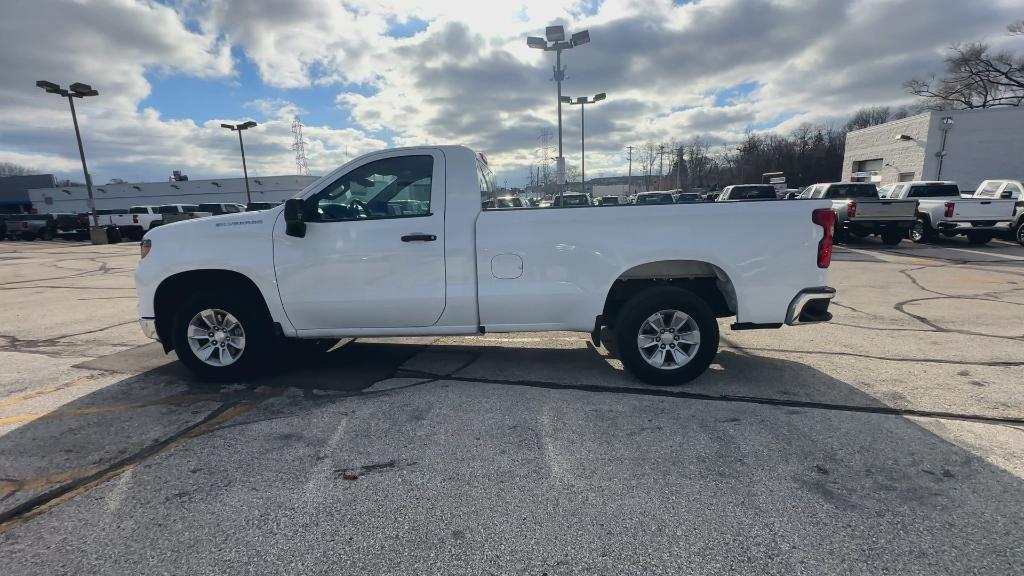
[941, 209]
[859, 211]
[395, 243]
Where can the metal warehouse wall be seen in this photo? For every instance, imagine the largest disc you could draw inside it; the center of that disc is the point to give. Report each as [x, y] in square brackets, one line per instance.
[981, 145]
[74, 198]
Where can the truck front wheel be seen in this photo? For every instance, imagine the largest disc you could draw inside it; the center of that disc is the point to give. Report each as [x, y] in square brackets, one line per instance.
[1019, 233]
[666, 336]
[220, 337]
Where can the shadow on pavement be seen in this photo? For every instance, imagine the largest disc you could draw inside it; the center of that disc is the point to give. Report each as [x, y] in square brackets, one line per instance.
[840, 481]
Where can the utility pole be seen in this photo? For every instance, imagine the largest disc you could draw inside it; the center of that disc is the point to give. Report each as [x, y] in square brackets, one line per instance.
[582, 102]
[79, 90]
[554, 41]
[661, 166]
[629, 178]
[245, 171]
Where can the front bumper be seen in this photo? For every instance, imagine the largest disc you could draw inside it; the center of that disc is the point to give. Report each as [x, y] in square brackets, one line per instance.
[810, 306]
[149, 328]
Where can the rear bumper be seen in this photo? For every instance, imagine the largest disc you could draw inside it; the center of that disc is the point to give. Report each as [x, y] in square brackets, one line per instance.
[149, 328]
[878, 225]
[948, 226]
[810, 306]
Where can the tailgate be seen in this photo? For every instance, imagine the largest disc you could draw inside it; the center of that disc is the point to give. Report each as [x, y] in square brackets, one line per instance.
[885, 210]
[978, 209]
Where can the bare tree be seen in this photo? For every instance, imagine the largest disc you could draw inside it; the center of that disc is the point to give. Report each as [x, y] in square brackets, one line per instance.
[12, 169]
[974, 78]
[1017, 28]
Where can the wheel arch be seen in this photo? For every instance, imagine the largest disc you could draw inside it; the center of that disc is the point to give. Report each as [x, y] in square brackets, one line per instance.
[705, 279]
[175, 289]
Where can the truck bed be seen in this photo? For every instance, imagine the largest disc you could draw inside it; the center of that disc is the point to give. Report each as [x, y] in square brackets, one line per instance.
[542, 267]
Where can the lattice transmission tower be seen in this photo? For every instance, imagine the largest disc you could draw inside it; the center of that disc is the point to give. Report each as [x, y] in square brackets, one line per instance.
[299, 146]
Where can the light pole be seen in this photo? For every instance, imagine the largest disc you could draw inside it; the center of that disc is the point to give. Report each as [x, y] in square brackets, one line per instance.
[78, 90]
[947, 125]
[245, 172]
[554, 40]
[582, 103]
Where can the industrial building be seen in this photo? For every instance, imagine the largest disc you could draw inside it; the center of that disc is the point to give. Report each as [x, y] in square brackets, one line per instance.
[964, 146]
[14, 196]
[178, 191]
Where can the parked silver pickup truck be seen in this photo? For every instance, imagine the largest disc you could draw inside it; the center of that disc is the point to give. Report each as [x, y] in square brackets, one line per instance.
[860, 212]
[171, 213]
[942, 210]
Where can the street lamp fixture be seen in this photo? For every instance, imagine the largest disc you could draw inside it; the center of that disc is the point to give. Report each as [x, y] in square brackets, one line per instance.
[554, 41]
[79, 90]
[947, 125]
[245, 171]
[582, 102]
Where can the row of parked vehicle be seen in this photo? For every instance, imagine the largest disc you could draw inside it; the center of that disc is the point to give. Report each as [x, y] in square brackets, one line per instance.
[131, 223]
[919, 210]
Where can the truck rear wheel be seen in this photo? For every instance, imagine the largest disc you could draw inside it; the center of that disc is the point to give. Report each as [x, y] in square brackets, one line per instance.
[666, 336]
[1019, 233]
[221, 337]
[920, 231]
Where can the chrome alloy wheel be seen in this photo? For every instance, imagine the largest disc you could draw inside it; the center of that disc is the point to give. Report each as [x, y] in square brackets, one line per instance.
[216, 337]
[668, 339]
[917, 231]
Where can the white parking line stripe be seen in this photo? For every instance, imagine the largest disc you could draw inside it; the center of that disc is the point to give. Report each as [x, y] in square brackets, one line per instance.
[996, 254]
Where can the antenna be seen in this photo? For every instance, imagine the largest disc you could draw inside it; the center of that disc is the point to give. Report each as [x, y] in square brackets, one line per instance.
[299, 145]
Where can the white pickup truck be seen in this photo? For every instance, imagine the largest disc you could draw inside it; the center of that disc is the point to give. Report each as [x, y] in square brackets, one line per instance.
[395, 243]
[941, 209]
[859, 211]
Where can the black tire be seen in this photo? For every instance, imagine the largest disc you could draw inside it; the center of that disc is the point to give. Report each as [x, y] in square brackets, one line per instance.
[28, 236]
[646, 304]
[891, 237]
[257, 330]
[920, 232]
[46, 234]
[980, 237]
[1018, 234]
[861, 233]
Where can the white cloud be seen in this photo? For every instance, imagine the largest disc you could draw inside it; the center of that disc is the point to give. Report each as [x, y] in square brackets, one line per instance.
[467, 78]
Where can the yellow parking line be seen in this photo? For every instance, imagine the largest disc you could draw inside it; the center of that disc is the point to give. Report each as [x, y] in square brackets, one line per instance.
[169, 400]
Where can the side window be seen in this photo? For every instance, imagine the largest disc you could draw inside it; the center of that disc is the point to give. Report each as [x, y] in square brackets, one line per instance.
[1013, 188]
[388, 188]
[486, 182]
[818, 192]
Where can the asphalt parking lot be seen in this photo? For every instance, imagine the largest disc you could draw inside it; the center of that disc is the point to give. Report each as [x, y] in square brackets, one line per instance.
[888, 441]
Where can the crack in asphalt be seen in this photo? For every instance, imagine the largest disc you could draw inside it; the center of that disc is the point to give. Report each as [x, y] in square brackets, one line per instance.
[666, 393]
[996, 363]
[228, 410]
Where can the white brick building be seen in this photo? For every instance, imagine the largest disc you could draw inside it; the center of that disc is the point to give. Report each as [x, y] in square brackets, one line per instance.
[979, 145]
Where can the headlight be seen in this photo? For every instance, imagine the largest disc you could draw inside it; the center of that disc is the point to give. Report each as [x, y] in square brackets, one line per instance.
[145, 246]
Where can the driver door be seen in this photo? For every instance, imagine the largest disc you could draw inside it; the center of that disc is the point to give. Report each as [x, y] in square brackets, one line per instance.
[373, 253]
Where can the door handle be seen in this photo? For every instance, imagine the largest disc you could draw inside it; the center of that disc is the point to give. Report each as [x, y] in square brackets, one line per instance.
[419, 238]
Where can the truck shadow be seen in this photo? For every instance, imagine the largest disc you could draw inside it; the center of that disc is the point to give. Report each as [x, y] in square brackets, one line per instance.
[850, 472]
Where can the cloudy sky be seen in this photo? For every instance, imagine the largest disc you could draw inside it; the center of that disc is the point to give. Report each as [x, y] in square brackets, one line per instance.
[365, 74]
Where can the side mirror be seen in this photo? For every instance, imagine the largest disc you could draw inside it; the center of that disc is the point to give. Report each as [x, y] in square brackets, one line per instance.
[1006, 195]
[293, 218]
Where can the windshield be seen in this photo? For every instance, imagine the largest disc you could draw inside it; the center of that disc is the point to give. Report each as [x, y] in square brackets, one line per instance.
[138, 210]
[934, 191]
[752, 193]
[852, 191]
[654, 199]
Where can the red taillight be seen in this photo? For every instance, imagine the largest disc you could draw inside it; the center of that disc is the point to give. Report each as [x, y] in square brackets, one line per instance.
[825, 218]
[24, 225]
[949, 209]
[851, 209]
[135, 218]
